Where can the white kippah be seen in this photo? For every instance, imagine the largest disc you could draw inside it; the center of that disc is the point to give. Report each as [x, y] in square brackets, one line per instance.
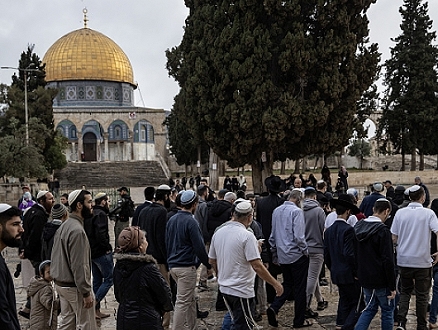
[4, 207]
[244, 207]
[41, 194]
[414, 188]
[73, 195]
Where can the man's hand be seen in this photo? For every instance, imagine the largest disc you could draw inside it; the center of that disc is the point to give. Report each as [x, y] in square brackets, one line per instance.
[392, 295]
[278, 289]
[435, 258]
[88, 302]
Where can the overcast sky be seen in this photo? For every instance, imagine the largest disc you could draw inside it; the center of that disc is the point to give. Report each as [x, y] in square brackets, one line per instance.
[143, 29]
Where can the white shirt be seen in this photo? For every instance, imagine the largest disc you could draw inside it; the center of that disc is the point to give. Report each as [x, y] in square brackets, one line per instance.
[413, 225]
[331, 218]
[233, 247]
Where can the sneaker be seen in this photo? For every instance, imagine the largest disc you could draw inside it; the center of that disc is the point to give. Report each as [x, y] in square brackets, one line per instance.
[202, 315]
[323, 282]
[322, 305]
[24, 314]
[309, 314]
[401, 326]
[202, 286]
[258, 317]
[272, 317]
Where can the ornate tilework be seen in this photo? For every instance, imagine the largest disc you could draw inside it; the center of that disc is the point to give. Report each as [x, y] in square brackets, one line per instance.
[71, 93]
[109, 93]
[91, 93]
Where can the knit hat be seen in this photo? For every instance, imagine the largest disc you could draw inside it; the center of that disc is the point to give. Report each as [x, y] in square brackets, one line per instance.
[42, 193]
[130, 239]
[164, 187]
[4, 207]
[58, 211]
[42, 265]
[414, 188]
[73, 195]
[187, 197]
[27, 196]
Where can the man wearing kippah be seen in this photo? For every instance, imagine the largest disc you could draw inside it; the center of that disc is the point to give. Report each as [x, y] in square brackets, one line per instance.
[185, 252]
[10, 235]
[411, 231]
[235, 256]
[71, 266]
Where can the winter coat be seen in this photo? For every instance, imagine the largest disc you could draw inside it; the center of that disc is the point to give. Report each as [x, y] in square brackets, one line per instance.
[141, 291]
[44, 311]
[153, 220]
[219, 212]
[96, 229]
[33, 224]
[49, 231]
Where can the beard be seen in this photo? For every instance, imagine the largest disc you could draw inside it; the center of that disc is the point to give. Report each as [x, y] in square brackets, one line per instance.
[9, 240]
[167, 203]
[86, 213]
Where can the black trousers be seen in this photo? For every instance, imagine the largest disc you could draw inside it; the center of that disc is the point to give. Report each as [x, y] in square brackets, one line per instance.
[241, 310]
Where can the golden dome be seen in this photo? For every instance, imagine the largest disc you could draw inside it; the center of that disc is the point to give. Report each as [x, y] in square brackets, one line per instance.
[86, 54]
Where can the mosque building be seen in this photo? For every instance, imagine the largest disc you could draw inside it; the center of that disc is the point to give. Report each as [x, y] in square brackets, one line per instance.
[94, 108]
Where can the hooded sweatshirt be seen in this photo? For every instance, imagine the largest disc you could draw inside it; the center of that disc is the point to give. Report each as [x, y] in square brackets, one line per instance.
[375, 254]
[314, 217]
[44, 311]
[219, 212]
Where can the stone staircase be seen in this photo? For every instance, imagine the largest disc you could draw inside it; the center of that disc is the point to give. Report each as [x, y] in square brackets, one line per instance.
[95, 175]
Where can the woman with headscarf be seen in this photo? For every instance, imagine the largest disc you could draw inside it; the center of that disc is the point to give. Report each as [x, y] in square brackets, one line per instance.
[141, 291]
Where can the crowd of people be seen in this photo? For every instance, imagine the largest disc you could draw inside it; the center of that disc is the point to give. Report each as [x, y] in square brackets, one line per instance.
[170, 247]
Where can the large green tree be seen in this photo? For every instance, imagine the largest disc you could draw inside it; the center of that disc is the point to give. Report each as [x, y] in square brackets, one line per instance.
[44, 152]
[271, 78]
[410, 111]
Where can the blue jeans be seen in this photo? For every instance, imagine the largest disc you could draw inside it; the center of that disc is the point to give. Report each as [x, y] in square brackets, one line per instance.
[373, 299]
[434, 303]
[227, 322]
[102, 268]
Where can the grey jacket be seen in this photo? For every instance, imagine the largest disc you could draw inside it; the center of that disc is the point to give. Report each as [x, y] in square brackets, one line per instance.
[71, 256]
[314, 217]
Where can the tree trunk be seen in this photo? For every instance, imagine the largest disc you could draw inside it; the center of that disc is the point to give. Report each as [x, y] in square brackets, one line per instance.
[304, 164]
[421, 162]
[283, 168]
[213, 169]
[413, 160]
[403, 165]
[260, 171]
[222, 165]
[297, 166]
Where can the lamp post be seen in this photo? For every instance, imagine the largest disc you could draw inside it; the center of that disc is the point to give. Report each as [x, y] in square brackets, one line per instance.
[26, 111]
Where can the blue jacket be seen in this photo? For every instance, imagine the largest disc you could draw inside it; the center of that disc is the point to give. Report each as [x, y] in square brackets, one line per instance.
[184, 242]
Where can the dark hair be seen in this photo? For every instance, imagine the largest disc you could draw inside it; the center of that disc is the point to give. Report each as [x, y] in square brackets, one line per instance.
[65, 195]
[382, 205]
[416, 195]
[160, 194]
[202, 189]
[189, 206]
[341, 209]
[79, 199]
[309, 193]
[178, 200]
[321, 185]
[8, 214]
[149, 193]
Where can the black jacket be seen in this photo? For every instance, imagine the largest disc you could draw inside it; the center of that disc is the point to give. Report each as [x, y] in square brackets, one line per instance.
[375, 255]
[8, 311]
[340, 252]
[141, 291]
[33, 223]
[49, 231]
[96, 229]
[264, 208]
[218, 212]
[153, 220]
